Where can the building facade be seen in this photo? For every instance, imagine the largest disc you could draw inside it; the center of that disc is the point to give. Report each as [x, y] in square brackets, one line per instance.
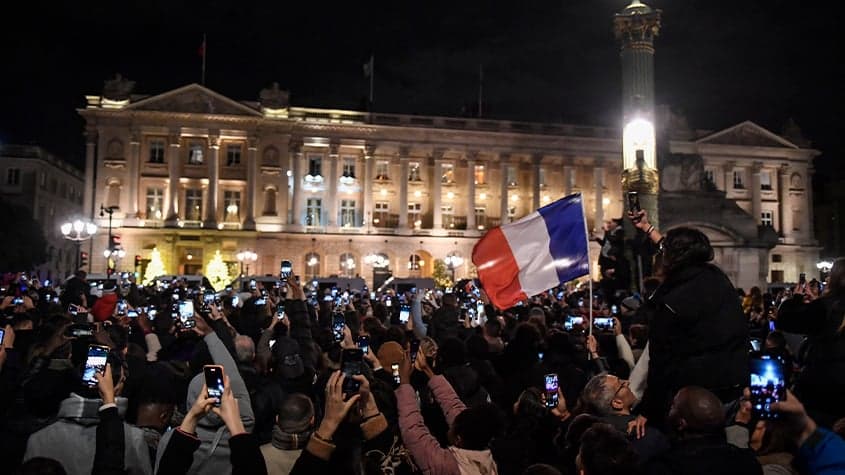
[52, 190]
[190, 172]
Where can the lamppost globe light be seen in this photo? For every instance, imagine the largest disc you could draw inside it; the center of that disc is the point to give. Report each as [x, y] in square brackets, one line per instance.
[66, 228]
[106, 253]
[240, 256]
[78, 226]
[90, 228]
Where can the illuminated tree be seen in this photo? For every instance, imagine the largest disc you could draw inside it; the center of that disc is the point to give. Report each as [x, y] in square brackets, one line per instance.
[155, 268]
[441, 275]
[217, 272]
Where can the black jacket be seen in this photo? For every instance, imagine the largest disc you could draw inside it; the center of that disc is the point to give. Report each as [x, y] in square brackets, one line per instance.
[821, 386]
[445, 324]
[697, 336]
[705, 455]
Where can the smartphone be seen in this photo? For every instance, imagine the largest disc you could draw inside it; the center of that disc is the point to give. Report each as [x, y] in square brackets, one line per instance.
[603, 323]
[121, 308]
[334, 291]
[285, 270]
[95, 363]
[78, 330]
[372, 295]
[771, 325]
[614, 309]
[756, 345]
[551, 390]
[634, 202]
[272, 342]
[151, 313]
[235, 301]
[132, 313]
[186, 313]
[540, 356]
[768, 385]
[214, 382]
[280, 311]
[802, 278]
[73, 309]
[350, 363]
[208, 298]
[404, 313]
[415, 349]
[388, 302]
[479, 308]
[337, 326]
[261, 301]
[364, 343]
[252, 285]
[2, 335]
[394, 368]
[17, 301]
[580, 302]
[571, 321]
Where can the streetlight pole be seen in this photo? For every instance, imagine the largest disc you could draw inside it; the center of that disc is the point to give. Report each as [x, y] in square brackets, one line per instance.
[246, 256]
[78, 231]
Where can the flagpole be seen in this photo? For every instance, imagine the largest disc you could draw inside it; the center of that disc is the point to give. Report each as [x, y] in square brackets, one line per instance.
[590, 270]
[203, 59]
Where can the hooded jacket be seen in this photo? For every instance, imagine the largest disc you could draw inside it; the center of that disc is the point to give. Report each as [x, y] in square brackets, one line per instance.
[104, 307]
[213, 455]
[72, 440]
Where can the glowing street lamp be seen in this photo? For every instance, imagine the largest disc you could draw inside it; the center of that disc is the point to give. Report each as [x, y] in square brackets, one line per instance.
[248, 257]
[78, 231]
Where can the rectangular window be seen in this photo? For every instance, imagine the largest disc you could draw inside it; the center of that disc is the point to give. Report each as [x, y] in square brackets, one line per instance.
[233, 154]
[43, 180]
[54, 184]
[414, 214]
[314, 212]
[709, 175]
[448, 173]
[481, 218]
[766, 218]
[796, 220]
[315, 165]
[414, 171]
[195, 154]
[382, 170]
[765, 180]
[232, 205]
[542, 177]
[381, 214]
[480, 175]
[447, 214]
[155, 200]
[349, 167]
[13, 176]
[193, 204]
[347, 213]
[777, 257]
[156, 151]
[511, 175]
[738, 180]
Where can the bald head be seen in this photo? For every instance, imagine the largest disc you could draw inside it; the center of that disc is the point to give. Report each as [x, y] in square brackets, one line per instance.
[245, 349]
[696, 410]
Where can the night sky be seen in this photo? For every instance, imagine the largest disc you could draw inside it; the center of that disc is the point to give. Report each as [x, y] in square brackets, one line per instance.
[718, 62]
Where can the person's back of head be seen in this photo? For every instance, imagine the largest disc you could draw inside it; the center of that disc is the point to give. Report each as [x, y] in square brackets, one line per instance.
[696, 411]
[296, 414]
[475, 427]
[597, 396]
[836, 279]
[606, 451]
[477, 347]
[451, 352]
[685, 247]
[450, 300]
[40, 466]
[541, 469]
[492, 328]
[245, 349]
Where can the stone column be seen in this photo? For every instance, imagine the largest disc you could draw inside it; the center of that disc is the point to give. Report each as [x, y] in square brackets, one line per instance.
[784, 206]
[251, 195]
[134, 173]
[175, 171]
[535, 181]
[598, 180]
[729, 176]
[756, 201]
[471, 161]
[568, 179]
[436, 199]
[403, 189]
[296, 156]
[504, 162]
[90, 170]
[282, 198]
[213, 182]
[808, 193]
[331, 184]
[367, 185]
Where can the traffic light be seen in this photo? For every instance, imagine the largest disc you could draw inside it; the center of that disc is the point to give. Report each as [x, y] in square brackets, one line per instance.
[114, 243]
[83, 259]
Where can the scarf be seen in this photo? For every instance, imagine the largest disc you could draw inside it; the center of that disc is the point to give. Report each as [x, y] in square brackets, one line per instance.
[474, 462]
[85, 411]
[290, 440]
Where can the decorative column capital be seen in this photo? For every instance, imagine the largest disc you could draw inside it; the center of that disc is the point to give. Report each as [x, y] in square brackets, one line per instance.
[134, 136]
[334, 149]
[214, 141]
[471, 155]
[537, 159]
[174, 138]
[504, 158]
[729, 165]
[295, 145]
[252, 142]
[437, 154]
[369, 150]
[756, 167]
[784, 170]
[91, 135]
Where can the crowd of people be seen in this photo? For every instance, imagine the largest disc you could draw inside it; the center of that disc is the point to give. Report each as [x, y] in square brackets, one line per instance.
[430, 381]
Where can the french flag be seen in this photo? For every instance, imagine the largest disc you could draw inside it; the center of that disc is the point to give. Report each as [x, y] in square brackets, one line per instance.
[540, 251]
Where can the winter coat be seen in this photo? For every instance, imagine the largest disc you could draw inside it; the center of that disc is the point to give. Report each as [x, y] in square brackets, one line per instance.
[103, 308]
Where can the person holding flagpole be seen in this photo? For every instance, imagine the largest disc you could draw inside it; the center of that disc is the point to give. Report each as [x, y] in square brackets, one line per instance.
[698, 335]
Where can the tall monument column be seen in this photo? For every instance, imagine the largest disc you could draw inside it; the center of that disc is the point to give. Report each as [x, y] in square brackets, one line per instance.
[635, 28]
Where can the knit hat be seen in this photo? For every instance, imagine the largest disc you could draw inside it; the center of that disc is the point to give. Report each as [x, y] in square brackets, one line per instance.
[631, 303]
[109, 286]
[389, 354]
[290, 363]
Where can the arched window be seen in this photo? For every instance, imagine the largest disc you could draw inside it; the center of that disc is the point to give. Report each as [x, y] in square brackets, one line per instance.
[415, 263]
[348, 264]
[312, 265]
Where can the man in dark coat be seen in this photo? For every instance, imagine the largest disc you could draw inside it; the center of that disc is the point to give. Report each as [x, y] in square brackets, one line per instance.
[445, 322]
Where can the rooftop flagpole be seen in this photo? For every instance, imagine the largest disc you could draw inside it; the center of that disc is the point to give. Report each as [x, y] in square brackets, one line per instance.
[202, 53]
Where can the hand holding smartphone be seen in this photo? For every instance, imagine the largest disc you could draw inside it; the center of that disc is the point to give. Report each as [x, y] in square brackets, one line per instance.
[551, 390]
[214, 382]
[350, 364]
[768, 386]
[94, 363]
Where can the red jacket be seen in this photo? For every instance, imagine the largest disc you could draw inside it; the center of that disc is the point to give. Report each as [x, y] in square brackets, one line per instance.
[103, 308]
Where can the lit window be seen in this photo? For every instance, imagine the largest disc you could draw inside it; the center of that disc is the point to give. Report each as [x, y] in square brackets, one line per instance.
[382, 170]
[415, 262]
[414, 172]
[511, 175]
[381, 213]
[347, 264]
[232, 205]
[314, 212]
[448, 173]
[195, 154]
[765, 180]
[155, 198]
[766, 218]
[349, 167]
[447, 213]
[347, 213]
[312, 265]
[414, 213]
[193, 204]
[233, 154]
[481, 217]
[480, 174]
[738, 180]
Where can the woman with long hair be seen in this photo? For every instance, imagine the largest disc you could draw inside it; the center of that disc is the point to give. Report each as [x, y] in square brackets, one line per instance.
[821, 385]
